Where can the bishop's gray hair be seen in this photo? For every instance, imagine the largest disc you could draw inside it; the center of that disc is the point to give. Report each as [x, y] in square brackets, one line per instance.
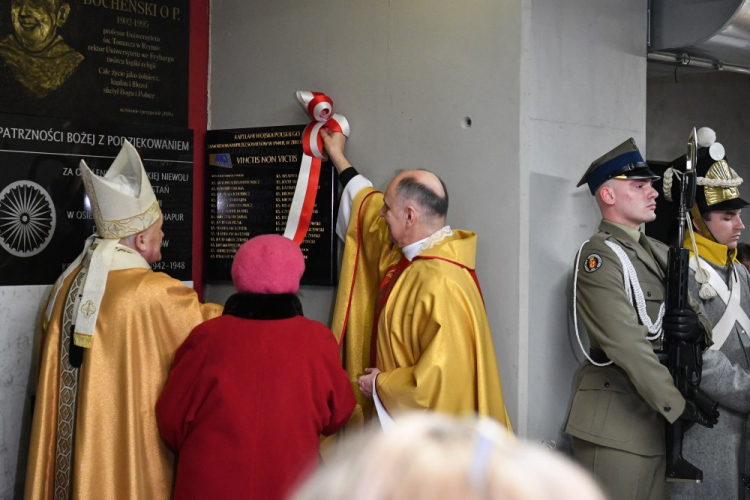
[435, 205]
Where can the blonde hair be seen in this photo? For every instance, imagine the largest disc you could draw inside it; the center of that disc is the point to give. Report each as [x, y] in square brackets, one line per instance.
[431, 456]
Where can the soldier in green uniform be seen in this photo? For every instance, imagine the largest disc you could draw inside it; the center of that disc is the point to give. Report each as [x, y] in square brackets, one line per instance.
[624, 396]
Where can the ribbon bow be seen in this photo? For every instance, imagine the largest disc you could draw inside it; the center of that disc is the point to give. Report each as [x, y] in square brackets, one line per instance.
[320, 107]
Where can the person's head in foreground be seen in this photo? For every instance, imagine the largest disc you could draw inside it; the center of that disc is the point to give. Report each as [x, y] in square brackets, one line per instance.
[433, 456]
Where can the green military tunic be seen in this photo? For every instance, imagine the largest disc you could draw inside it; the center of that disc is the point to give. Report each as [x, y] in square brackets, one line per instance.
[619, 411]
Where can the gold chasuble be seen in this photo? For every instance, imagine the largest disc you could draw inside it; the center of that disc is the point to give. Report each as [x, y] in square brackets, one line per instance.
[116, 450]
[433, 344]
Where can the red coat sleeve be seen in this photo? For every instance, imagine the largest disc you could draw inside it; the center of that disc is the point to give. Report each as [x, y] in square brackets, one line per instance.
[340, 394]
[184, 393]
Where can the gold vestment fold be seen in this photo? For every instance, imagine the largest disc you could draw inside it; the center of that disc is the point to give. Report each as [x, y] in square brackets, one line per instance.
[117, 450]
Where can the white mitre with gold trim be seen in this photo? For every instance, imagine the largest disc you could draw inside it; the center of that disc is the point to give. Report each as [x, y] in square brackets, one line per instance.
[123, 201]
[123, 204]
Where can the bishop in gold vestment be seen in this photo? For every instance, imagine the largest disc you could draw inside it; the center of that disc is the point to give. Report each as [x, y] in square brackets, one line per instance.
[117, 451]
[110, 331]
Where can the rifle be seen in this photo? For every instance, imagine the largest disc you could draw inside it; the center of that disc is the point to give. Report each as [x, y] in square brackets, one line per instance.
[684, 359]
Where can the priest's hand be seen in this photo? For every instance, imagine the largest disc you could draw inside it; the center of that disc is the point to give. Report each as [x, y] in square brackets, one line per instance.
[333, 143]
[365, 381]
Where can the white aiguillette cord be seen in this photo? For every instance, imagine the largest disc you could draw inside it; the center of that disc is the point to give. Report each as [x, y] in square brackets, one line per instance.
[633, 290]
[630, 279]
[575, 310]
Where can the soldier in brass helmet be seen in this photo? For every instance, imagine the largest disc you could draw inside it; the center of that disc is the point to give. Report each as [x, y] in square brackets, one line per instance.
[721, 285]
[623, 395]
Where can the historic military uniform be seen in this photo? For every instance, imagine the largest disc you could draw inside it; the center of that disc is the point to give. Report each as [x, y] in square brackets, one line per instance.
[722, 287]
[623, 395]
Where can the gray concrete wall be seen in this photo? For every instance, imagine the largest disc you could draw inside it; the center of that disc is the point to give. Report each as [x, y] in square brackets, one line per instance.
[719, 100]
[405, 73]
[586, 89]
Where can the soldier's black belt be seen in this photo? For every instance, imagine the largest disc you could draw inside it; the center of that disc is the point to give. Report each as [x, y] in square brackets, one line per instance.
[598, 355]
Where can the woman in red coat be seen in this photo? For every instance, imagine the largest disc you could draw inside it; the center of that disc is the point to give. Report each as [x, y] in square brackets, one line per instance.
[251, 391]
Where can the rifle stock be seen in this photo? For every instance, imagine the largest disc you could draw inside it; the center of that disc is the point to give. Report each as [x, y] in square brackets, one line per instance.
[684, 359]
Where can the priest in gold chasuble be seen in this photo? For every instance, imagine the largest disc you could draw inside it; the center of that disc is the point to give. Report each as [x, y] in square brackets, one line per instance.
[110, 330]
[409, 314]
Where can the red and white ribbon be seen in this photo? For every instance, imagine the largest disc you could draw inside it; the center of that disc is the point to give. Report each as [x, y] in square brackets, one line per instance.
[320, 107]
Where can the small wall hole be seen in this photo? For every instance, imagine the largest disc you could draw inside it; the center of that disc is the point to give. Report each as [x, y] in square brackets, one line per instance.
[466, 122]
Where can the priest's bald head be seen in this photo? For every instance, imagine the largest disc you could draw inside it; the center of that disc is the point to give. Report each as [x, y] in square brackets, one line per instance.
[415, 205]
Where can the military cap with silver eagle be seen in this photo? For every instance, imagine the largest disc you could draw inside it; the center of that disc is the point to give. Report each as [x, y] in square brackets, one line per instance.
[623, 162]
[123, 204]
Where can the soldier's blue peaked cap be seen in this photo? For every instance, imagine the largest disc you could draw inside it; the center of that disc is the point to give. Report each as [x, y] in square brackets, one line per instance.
[623, 162]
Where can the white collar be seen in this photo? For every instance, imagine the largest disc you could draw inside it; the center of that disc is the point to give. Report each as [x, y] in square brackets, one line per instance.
[413, 249]
[127, 258]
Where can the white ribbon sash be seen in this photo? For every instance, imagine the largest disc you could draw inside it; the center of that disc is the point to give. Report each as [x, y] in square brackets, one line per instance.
[731, 298]
[320, 108]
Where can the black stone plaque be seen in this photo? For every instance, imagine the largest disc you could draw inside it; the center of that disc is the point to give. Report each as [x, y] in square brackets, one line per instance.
[44, 214]
[103, 60]
[251, 177]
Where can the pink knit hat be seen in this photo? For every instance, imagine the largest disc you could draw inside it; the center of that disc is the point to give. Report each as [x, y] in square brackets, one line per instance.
[269, 264]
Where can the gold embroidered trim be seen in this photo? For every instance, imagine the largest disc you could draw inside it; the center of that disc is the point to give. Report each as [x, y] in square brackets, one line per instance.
[67, 398]
[122, 227]
[91, 192]
[436, 238]
[132, 225]
[88, 309]
[83, 340]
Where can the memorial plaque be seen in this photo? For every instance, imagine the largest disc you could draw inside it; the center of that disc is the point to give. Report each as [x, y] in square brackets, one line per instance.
[109, 60]
[251, 177]
[44, 214]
